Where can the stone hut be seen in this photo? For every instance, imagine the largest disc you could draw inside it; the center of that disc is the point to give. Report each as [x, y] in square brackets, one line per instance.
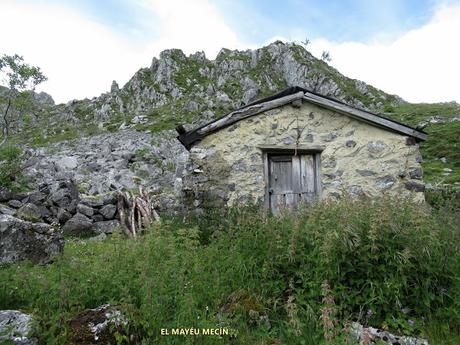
[299, 146]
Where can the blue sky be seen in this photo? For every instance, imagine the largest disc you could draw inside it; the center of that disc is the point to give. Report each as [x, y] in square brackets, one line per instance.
[256, 21]
[404, 47]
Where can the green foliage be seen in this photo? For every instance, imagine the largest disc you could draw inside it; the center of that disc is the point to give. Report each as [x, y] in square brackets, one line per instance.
[234, 268]
[11, 176]
[20, 78]
[443, 138]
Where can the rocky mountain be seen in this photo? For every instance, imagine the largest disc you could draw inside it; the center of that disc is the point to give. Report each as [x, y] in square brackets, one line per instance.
[90, 138]
[192, 89]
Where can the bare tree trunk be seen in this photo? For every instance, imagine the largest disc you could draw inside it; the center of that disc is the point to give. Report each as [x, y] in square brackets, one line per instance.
[6, 124]
[136, 212]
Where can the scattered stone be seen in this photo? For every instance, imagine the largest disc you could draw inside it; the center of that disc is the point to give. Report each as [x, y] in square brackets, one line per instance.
[79, 225]
[108, 211]
[365, 172]
[67, 163]
[7, 210]
[416, 173]
[107, 226]
[378, 335]
[15, 203]
[350, 143]
[385, 182]
[16, 328]
[414, 186]
[84, 209]
[443, 159]
[98, 326]
[5, 195]
[63, 215]
[376, 147]
[23, 240]
[30, 212]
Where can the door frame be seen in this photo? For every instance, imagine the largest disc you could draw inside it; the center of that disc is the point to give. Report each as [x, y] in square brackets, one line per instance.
[268, 150]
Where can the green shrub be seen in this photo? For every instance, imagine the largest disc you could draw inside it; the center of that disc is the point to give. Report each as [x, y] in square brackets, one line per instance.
[384, 262]
[11, 176]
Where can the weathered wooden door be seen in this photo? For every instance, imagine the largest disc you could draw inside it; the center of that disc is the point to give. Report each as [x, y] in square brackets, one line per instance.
[292, 180]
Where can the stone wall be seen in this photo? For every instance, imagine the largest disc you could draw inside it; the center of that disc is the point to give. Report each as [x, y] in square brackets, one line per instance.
[226, 167]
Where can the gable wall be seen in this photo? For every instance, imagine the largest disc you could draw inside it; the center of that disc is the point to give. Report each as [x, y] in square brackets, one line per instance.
[358, 158]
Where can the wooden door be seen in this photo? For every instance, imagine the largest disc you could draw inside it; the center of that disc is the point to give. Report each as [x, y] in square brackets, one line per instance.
[291, 181]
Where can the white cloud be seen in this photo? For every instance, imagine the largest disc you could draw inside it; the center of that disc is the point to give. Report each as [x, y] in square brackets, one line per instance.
[422, 65]
[81, 57]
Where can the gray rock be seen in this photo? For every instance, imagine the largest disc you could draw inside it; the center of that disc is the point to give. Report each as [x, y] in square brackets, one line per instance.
[80, 226]
[16, 328]
[97, 217]
[416, 174]
[365, 172]
[7, 210]
[92, 201]
[329, 137]
[86, 210]
[92, 325]
[108, 211]
[63, 215]
[385, 182]
[5, 195]
[414, 186]
[31, 212]
[376, 147]
[15, 203]
[378, 335]
[107, 226]
[67, 163]
[350, 143]
[23, 240]
[355, 191]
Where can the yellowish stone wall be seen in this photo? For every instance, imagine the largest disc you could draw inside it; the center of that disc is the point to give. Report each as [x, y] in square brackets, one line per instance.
[358, 158]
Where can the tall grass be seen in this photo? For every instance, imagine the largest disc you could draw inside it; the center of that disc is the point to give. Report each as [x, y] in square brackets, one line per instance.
[383, 262]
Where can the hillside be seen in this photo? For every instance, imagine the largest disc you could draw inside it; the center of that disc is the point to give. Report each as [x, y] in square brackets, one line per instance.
[193, 89]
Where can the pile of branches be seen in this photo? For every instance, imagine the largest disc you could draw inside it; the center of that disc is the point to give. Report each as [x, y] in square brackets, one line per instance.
[136, 212]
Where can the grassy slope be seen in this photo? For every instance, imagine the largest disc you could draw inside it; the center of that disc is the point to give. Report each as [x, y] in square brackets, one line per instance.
[381, 256]
[443, 138]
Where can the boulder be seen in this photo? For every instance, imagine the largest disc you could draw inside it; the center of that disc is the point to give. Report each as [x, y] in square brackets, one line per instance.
[14, 203]
[98, 326]
[108, 211]
[16, 328]
[5, 195]
[63, 215]
[86, 210]
[7, 210]
[30, 212]
[107, 226]
[23, 240]
[79, 225]
[374, 335]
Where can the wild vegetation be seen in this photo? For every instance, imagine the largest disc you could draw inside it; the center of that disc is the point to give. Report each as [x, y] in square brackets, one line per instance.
[299, 278]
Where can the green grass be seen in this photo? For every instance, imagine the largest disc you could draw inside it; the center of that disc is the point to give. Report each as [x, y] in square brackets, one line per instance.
[219, 270]
[443, 138]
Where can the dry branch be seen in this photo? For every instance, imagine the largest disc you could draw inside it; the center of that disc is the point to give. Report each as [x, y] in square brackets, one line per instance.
[136, 212]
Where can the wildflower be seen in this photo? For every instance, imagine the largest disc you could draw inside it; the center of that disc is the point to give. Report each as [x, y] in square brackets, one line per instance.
[410, 322]
[369, 312]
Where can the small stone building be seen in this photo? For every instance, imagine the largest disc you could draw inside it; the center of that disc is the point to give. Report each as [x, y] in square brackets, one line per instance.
[299, 146]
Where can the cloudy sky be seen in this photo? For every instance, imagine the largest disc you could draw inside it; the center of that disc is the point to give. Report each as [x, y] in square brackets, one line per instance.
[406, 47]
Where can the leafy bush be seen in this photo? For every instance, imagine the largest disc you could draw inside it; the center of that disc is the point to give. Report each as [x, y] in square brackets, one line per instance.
[10, 167]
[383, 262]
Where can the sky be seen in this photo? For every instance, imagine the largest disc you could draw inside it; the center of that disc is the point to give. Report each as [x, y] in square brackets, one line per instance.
[406, 47]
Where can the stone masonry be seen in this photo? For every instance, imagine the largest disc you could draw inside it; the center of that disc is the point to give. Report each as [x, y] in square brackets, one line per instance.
[358, 158]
